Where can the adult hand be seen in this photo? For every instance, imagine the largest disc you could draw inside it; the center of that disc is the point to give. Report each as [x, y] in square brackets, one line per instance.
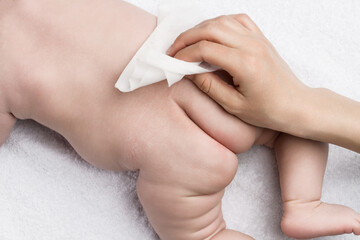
[264, 90]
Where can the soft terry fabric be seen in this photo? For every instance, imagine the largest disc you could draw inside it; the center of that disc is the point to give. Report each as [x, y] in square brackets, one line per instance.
[48, 192]
[151, 64]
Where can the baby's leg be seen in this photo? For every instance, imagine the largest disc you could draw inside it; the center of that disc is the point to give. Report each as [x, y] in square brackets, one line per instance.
[184, 171]
[302, 165]
[181, 189]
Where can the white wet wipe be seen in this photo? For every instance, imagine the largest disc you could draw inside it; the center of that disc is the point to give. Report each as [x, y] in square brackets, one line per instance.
[151, 64]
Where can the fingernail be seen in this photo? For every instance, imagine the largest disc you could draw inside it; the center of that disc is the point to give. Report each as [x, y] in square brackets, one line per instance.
[169, 51]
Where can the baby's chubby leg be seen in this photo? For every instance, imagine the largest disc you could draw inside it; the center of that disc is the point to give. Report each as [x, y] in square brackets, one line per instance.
[183, 176]
[184, 172]
[302, 165]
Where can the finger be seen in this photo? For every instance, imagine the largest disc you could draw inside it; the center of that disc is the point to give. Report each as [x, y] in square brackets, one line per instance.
[247, 22]
[224, 30]
[213, 119]
[224, 94]
[226, 77]
[228, 59]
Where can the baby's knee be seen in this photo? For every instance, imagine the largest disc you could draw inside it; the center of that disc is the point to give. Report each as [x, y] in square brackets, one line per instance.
[175, 216]
[246, 139]
[219, 166]
[226, 165]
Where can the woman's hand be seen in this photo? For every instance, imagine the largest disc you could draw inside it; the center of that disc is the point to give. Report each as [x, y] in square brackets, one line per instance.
[264, 90]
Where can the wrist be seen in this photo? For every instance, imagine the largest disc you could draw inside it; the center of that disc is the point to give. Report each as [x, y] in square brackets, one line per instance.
[297, 112]
[313, 118]
[325, 116]
[314, 121]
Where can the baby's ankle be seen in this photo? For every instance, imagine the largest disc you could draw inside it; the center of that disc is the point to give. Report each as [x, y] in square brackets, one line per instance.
[313, 218]
[295, 210]
[300, 204]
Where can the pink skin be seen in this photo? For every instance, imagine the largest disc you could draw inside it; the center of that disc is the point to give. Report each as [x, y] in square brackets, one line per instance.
[59, 64]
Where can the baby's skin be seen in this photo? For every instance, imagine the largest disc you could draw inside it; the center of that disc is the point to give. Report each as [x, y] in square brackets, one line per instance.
[59, 61]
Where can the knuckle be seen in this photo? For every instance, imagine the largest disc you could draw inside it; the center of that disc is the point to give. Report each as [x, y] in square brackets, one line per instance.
[211, 27]
[255, 57]
[180, 37]
[203, 46]
[234, 106]
[205, 83]
[180, 41]
[245, 17]
[223, 19]
[203, 23]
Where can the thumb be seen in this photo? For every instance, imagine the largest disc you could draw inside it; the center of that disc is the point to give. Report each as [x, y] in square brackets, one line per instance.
[220, 91]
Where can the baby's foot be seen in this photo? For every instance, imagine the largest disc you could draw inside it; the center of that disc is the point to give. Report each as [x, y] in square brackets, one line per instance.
[315, 219]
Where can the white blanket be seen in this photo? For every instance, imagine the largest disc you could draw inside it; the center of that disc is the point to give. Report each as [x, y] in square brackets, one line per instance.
[48, 192]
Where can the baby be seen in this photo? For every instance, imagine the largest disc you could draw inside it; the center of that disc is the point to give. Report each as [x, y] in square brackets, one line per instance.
[59, 63]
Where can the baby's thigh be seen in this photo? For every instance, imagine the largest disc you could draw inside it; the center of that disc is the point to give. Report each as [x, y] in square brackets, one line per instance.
[183, 173]
[175, 215]
[169, 143]
[181, 192]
